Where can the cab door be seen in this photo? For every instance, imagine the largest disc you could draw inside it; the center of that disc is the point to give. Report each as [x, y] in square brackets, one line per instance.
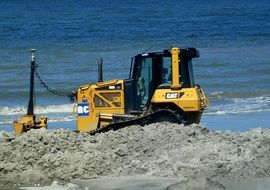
[143, 77]
[147, 75]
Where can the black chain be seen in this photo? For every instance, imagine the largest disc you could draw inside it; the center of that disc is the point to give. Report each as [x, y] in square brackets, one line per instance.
[70, 95]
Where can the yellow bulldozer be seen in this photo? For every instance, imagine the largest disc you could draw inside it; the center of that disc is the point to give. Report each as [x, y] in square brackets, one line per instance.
[160, 87]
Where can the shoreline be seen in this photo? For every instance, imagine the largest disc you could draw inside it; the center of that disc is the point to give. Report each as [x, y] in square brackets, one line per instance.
[220, 122]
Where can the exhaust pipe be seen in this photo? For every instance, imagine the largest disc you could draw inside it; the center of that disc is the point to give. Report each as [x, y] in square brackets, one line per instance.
[100, 70]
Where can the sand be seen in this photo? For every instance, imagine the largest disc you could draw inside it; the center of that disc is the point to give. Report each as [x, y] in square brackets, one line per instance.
[170, 156]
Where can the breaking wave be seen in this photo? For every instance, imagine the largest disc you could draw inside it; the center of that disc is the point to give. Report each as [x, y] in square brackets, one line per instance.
[65, 108]
[50, 119]
[239, 105]
[54, 113]
[219, 105]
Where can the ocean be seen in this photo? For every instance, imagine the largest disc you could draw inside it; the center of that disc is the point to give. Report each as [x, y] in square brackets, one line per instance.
[70, 36]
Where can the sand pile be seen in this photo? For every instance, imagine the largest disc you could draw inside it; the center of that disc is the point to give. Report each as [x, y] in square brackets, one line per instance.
[192, 154]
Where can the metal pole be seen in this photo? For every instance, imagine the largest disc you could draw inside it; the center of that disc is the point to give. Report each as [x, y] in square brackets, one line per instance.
[30, 109]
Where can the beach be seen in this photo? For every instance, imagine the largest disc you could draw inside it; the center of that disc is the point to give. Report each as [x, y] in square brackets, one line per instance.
[185, 157]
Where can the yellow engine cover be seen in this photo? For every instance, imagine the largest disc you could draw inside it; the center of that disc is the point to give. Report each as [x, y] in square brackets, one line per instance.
[97, 103]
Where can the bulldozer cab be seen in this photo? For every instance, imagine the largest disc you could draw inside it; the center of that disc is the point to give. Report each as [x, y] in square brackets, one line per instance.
[155, 70]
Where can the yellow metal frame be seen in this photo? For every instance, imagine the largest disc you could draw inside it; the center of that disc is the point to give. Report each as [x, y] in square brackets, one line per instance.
[27, 122]
[175, 62]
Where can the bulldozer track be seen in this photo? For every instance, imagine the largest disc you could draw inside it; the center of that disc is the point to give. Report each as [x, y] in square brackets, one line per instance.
[158, 116]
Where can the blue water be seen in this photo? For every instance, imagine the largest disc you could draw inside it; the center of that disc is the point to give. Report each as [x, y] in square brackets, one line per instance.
[233, 38]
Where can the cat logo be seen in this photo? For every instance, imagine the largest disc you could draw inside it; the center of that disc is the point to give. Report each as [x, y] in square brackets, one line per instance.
[172, 95]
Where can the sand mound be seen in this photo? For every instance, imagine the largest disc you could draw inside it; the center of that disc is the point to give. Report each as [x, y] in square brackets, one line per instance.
[189, 153]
